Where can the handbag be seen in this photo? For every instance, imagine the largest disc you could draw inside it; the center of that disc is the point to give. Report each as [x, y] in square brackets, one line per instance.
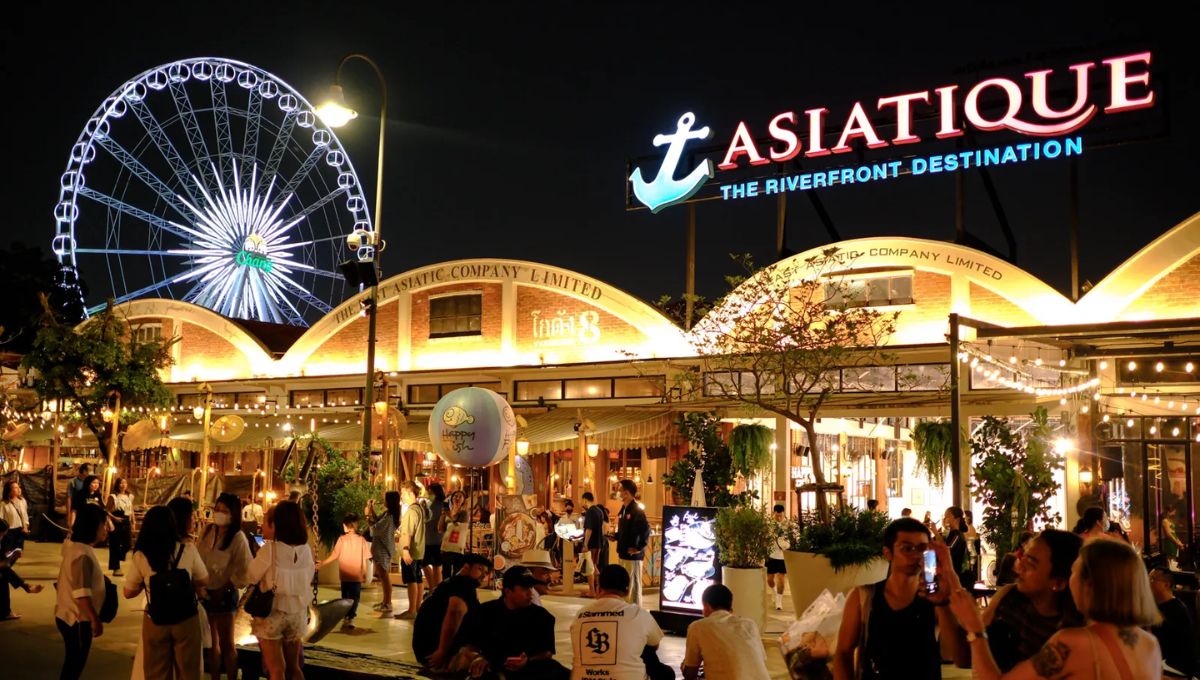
[259, 603]
[108, 611]
[454, 540]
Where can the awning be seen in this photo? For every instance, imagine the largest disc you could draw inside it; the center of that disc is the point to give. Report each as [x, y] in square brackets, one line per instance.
[612, 428]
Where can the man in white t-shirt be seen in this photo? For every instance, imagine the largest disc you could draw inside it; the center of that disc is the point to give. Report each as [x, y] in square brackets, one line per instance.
[729, 646]
[609, 635]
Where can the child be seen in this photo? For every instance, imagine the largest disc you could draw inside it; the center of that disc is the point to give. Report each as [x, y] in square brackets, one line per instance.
[352, 553]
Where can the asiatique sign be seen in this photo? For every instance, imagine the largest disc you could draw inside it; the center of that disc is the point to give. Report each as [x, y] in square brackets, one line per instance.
[1024, 105]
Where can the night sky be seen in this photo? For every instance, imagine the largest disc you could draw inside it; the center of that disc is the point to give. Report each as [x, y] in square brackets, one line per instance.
[511, 123]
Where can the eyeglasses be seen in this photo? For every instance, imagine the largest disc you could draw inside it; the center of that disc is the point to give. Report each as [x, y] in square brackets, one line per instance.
[912, 548]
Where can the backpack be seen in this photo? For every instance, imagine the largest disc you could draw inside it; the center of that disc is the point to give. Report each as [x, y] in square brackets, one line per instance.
[172, 597]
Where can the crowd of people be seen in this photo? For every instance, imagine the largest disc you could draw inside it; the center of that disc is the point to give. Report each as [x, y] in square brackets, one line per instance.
[1079, 604]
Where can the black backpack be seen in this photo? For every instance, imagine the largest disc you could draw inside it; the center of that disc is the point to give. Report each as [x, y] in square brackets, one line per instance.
[172, 597]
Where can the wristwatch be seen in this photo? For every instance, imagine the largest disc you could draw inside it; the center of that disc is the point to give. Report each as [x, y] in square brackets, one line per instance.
[973, 636]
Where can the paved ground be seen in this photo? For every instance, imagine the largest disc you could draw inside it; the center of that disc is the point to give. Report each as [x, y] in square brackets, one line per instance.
[31, 647]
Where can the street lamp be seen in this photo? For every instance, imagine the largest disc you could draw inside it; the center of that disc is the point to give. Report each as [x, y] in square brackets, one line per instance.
[205, 414]
[334, 113]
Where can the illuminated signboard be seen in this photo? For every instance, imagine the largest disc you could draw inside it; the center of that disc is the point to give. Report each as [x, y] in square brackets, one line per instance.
[689, 559]
[1026, 110]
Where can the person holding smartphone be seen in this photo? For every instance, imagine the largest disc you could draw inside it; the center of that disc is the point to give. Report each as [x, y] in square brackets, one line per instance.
[893, 624]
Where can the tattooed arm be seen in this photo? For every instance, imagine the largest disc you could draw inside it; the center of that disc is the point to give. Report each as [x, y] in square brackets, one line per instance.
[1053, 662]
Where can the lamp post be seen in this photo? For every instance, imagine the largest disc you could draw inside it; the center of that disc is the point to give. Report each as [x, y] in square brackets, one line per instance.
[204, 413]
[335, 113]
[114, 418]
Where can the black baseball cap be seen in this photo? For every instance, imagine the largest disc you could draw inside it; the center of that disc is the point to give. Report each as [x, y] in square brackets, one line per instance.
[520, 576]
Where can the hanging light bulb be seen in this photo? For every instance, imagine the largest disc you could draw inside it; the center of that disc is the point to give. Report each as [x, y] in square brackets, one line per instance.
[1174, 431]
[1084, 408]
[1132, 365]
[1158, 368]
[1153, 429]
[1129, 423]
[1062, 362]
[1012, 359]
[1105, 418]
[1038, 361]
[1189, 367]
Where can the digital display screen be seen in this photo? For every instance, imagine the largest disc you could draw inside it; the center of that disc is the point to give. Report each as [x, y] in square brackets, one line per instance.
[689, 558]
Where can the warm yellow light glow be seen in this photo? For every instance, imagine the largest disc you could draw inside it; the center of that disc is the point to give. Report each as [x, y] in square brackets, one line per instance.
[454, 478]
[333, 111]
[156, 471]
[1012, 359]
[381, 407]
[1129, 423]
[1084, 408]
[1105, 418]
[1132, 365]
[1153, 429]
[1062, 445]
[1189, 367]
[1158, 368]
[112, 469]
[1062, 362]
[593, 450]
[1085, 476]
[107, 415]
[388, 478]
[287, 427]
[1174, 431]
[198, 412]
[1103, 365]
[522, 447]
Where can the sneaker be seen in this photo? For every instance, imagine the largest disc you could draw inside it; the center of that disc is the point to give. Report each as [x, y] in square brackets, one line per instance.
[406, 616]
[383, 607]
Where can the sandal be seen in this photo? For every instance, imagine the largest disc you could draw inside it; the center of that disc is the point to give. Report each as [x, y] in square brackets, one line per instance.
[10, 617]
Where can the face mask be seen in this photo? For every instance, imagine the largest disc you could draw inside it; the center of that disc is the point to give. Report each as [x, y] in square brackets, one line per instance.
[221, 519]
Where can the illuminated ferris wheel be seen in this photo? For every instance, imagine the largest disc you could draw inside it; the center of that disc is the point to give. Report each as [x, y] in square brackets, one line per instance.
[211, 181]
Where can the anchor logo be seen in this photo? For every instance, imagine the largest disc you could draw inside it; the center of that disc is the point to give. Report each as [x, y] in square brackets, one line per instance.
[664, 190]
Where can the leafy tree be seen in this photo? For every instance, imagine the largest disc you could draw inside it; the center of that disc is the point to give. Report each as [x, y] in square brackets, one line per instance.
[341, 489]
[777, 343]
[711, 455]
[1014, 479]
[851, 537]
[86, 365]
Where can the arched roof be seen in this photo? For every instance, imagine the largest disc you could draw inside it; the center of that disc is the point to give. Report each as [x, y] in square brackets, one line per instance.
[669, 339]
[1137, 274]
[977, 267]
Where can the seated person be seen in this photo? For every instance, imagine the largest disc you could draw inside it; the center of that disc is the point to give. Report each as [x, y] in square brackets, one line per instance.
[727, 645]
[539, 564]
[511, 636]
[1176, 634]
[442, 613]
[612, 638]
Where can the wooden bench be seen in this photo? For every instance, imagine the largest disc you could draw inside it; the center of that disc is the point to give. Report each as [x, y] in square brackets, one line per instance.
[323, 663]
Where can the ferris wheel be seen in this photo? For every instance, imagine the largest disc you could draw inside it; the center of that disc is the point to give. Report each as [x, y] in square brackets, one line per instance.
[211, 181]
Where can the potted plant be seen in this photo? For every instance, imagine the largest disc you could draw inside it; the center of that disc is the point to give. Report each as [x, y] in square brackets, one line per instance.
[933, 443]
[745, 537]
[750, 448]
[837, 555]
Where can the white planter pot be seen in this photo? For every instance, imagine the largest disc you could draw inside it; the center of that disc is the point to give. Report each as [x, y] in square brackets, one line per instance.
[808, 574]
[749, 587]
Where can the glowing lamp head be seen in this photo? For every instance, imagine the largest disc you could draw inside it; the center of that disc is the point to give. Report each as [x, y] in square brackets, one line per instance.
[1085, 476]
[1062, 445]
[333, 111]
[522, 447]
[593, 450]
[198, 412]
[381, 407]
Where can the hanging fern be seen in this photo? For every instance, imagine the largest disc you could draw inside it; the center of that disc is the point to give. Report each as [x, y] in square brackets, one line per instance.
[750, 447]
[933, 443]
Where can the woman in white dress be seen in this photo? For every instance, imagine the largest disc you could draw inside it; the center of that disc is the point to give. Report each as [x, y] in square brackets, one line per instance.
[285, 565]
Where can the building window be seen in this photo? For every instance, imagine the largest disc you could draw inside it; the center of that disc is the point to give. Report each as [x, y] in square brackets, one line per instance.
[344, 397]
[429, 394]
[652, 386]
[600, 388]
[453, 316]
[532, 390]
[308, 397]
[877, 291]
[147, 332]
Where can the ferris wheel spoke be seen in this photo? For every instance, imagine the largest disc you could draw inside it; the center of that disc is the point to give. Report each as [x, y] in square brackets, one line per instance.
[288, 265]
[318, 204]
[131, 163]
[190, 125]
[127, 251]
[303, 293]
[167, 282]
[224, 136]
[279, 292]
[165, 147]
[253, 114]
[149, 218]
[278, 148]
[288, 189]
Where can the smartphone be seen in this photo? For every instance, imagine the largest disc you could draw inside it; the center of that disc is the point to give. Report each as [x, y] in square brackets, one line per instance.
[260, 541]
[930, 572]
